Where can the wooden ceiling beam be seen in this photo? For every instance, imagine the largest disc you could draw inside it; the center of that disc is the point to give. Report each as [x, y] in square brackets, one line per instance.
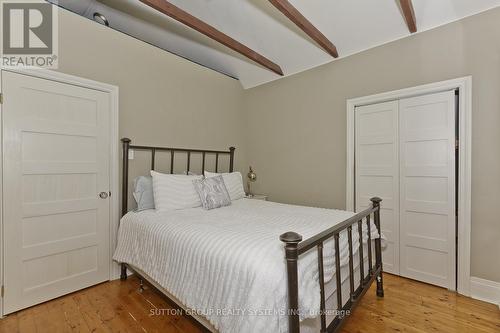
[409, 15]
[303, 23]
[185, 18]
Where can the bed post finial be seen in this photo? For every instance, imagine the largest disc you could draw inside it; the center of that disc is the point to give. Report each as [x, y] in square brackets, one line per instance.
[231, 159]
[376, 201]
[292, 240]
[378, 246]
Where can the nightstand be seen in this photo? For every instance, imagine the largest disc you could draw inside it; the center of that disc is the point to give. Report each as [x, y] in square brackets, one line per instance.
[257, 197]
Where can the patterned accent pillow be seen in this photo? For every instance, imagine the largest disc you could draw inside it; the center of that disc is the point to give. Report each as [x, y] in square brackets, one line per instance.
[213, 192]
[233, 181]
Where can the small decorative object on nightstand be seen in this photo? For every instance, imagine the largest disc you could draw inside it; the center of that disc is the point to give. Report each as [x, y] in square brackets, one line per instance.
[252, 177]
[262, 197]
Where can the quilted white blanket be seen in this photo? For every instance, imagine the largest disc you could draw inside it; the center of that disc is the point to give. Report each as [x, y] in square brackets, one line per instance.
[228, 263]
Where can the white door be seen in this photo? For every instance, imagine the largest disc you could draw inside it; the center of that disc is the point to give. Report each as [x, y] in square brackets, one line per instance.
[427, 187]
[56, 162]
[377, 171]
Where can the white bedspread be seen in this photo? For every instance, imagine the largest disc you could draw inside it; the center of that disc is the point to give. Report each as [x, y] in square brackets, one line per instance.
[228, 263]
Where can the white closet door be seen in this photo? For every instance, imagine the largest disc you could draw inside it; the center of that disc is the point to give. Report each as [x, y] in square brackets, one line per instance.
[56, 162]
[377, 171]
[427, 222]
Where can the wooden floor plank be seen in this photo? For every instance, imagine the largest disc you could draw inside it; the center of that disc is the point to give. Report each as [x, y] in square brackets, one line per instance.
[136, 306]
[26, 321]
[89, 313]
[117, 306]
[72, 315]
[43, 320]
[162, 319]
[113, 313]
[9, 324]
[110, 316]
[425, 308]
[444, 306]
[178, 320]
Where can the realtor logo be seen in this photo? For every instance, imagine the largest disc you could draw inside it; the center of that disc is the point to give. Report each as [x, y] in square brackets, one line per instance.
[29, 34]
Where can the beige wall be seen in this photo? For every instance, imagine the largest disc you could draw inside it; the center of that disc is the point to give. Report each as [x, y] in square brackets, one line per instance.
[297, 126]
[164, 99]
[293, 131]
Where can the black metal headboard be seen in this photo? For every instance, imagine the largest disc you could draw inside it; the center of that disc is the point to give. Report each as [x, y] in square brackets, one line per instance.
[127, 146]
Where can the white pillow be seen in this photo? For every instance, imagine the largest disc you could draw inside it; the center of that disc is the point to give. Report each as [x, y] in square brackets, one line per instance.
[172, 192]
[233, 182]
[143, 193]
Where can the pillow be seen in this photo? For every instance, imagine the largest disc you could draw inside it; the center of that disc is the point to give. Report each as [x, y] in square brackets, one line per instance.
[233, 181]
[143, 193]
[172, 192]
[213, 192]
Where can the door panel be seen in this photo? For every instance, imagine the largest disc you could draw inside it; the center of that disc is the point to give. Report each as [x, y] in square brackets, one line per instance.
[377, 171]
[427, 187]
[56, 162]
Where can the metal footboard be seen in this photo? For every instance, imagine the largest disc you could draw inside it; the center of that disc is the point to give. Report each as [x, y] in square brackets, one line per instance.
[295, 247]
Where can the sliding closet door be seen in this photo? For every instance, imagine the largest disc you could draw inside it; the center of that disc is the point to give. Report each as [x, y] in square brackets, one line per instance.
[427, 222]
[377, 171]
[56, 163]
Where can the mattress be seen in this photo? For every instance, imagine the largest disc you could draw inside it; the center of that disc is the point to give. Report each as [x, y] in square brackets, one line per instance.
[228, 263]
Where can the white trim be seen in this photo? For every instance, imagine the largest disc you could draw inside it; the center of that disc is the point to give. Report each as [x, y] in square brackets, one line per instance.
[485, 290]
[114, 152]
[464, 85]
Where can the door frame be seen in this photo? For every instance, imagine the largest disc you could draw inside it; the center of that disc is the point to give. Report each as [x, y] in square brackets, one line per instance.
[464, 85]
[113, 92]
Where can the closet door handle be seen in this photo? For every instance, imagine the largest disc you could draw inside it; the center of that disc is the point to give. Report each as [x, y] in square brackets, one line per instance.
[103, 195]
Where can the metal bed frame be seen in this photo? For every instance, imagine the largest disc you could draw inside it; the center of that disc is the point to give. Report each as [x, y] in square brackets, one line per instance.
[294, 247]
[293, 243]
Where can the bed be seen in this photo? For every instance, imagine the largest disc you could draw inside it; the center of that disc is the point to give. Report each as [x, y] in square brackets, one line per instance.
[240, 269]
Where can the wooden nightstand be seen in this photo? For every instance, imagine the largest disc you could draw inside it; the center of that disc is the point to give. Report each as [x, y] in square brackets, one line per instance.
[257, 197]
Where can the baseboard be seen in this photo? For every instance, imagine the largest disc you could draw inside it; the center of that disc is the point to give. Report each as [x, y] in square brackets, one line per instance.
[485, 290]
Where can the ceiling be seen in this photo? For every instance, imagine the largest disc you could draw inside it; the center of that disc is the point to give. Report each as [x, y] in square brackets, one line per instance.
[352, 25]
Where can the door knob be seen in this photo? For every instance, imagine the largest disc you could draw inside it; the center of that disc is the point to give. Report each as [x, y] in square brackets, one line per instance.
[103, 195]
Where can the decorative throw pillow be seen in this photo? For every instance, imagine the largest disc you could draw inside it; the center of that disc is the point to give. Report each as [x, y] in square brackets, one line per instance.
[213, 192]
[173, 192]
[233, 182]
[143, 193]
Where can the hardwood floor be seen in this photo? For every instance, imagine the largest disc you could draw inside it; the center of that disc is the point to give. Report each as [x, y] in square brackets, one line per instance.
[116, 306]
